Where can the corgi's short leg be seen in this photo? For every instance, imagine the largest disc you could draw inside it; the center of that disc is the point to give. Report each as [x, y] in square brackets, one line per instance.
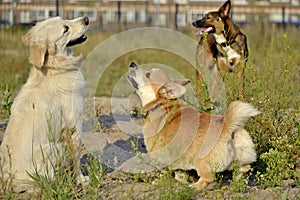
[203, 182]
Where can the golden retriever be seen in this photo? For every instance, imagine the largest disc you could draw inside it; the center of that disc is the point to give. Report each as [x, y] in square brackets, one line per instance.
[177, 135]
[46, 115]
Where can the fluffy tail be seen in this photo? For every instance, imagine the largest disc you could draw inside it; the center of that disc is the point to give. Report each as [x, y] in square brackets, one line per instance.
[237, 115]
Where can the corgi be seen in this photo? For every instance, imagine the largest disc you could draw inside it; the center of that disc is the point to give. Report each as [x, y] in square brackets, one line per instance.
[177, 135]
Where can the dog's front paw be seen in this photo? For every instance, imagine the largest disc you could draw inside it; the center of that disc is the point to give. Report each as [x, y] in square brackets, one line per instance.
[197, 186]
[200, 184]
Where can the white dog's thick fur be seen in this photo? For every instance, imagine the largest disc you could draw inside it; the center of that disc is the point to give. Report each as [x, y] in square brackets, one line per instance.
[49, 105]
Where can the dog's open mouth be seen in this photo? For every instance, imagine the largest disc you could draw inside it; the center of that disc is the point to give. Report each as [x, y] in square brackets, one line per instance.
[204, 30]
[133, 82]
[76, 41]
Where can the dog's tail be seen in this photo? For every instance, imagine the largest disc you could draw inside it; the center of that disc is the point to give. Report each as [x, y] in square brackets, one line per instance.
[237, 115]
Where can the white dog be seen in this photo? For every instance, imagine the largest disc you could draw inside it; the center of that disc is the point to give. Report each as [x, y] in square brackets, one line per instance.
[46, 115]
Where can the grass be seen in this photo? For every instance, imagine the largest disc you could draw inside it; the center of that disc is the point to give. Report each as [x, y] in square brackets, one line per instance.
[271, 85]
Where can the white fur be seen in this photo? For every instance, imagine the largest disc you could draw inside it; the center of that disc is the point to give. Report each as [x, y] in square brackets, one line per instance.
[238, 114]
[147, 94]
[144, 90]
[239, 144]
[49, 102]
[231, 53]
[244, 147]
[220, 38]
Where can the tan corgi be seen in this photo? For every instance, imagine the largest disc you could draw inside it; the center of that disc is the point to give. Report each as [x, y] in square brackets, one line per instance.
[177, 135]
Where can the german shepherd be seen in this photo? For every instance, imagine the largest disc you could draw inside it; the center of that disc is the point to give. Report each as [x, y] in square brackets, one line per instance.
[177, 135]
[223, 41]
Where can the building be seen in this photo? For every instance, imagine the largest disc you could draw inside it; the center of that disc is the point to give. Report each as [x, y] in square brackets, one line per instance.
[116, 14]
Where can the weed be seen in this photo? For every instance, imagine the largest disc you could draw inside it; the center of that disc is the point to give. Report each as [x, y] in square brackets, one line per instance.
[95, 170]
[238, 183]
[7, 191]
[169, 189]
[137, 112]
[278, 168]
[6, 102]
[59, 177]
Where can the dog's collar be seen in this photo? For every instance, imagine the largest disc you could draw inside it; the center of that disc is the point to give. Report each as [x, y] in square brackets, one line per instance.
[152, 108]
[155, 106]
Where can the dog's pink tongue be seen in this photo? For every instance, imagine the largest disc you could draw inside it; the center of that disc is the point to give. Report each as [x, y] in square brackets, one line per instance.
[203, 30]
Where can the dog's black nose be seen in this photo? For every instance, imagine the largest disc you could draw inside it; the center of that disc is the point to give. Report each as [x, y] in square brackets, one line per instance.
[194, 23]
[132, 64]
[86, 21]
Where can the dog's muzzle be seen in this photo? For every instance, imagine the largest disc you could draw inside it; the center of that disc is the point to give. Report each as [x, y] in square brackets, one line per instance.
[83, 37]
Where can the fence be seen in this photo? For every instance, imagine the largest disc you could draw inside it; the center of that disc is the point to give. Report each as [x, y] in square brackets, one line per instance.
[109, 15]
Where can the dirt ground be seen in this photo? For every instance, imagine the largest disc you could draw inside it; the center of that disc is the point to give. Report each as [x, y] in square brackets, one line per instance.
[115, 136]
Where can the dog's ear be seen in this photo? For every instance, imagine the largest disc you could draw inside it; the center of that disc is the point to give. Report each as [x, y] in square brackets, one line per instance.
[133, 64]
[37, 55]
[37, 50]
[172, 90]
[26, 39]
[225, 9]
[182, 82]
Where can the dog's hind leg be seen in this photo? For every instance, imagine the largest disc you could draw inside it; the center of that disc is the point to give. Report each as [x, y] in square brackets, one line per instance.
[244, 151]
[243, 170]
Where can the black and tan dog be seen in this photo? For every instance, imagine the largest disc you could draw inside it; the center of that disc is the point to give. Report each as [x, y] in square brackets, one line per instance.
[223, 42]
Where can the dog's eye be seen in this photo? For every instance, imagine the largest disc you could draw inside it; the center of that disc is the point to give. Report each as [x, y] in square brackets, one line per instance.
[148, 74]
[66, 29]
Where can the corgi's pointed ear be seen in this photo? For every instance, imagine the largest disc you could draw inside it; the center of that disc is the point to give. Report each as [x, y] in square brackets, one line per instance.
[133, 64]
[37, 55]
[225, 9]
[172, 90]
[182, 82]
